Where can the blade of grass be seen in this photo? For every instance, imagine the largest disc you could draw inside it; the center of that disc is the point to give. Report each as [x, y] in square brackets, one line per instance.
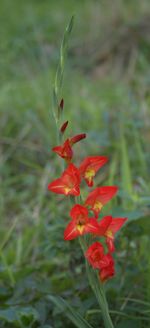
[126, 175]
[9, 233]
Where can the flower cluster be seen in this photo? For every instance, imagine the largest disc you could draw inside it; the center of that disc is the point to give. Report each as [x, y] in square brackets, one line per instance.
[85, 216]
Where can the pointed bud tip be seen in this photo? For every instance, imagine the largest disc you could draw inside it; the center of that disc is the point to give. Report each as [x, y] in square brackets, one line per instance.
[61, 105]
[77, 138]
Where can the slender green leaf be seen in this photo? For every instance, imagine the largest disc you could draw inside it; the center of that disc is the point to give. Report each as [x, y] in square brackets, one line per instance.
[71, 313]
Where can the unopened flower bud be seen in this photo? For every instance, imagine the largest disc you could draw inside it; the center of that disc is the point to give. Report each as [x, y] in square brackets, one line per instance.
[61, 105]
[63, 127]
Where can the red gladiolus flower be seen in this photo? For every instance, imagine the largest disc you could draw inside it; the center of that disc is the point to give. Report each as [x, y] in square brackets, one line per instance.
[99, 197]
[111, 226]
[106, 268]
[68, 183]
[80, 223]
[104, 262]
[90, 166]
[65, 151]
[94, 254]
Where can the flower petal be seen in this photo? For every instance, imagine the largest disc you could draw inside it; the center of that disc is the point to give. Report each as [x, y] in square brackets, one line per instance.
[94, 254]
[106, 273]
[78, 211]
[58, 187]
[92, 226]
[104, 224]
[99, 197]
[71, 231]
[106, 267]
[68, 183]
[116, 224]
[64, 151]
[110, 244]
[89, 166]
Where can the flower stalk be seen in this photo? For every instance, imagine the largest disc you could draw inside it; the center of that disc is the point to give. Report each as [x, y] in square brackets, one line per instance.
[85, 220]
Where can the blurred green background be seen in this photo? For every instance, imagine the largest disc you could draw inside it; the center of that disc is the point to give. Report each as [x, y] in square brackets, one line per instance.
[106, 92]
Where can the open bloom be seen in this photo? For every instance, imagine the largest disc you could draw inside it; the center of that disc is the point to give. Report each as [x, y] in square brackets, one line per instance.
[108, 228]
[90, 166]
[68, 183]
[106, 267]
[99, 197]
[80, 223]
[65, 150]
[94, 254]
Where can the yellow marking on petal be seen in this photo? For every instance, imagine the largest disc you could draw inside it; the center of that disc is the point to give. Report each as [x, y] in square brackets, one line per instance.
[89, 174]
[98, 205]
[109, 234]
[80, 228]
[67, 189]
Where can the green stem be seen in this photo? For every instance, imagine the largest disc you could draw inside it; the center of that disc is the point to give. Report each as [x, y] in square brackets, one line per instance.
[98, 290]
[104, 307]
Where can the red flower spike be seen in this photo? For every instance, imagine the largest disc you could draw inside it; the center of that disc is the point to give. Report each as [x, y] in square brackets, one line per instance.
[68, 183]
[106, 268]
[108, 227]
[90, 166]
[99, 197]
[94, 254]
[64, 151]
[63, 127]
[77, 138]
[80, 223]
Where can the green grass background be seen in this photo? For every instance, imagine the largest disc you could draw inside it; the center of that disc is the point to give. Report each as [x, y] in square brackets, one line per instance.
[106, 92]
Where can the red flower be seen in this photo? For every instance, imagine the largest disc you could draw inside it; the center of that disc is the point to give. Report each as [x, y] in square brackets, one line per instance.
[106, 267]
[80, 223]
[111, 226]
[94, 254]
[90, 166]
[68, 183]
[104, 262]
[99, 197]
[65, 150]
